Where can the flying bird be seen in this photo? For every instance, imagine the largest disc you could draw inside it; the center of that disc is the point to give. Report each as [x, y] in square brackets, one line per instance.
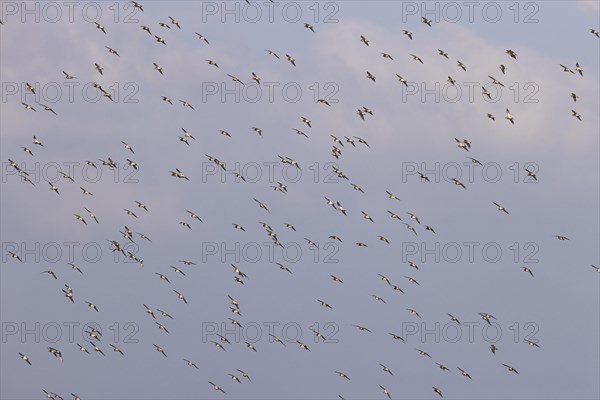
[500, 208]
[28, 107]
[511, 369]
[261, 205]
[396, 337]
[386, 369]
[47, 108]
[325, 305]
[37, 141]
[463, 144]
[25, 358]
[201, 37]
[423, 353]
[291, 59]
[244, 374]
[392, 196]
[464, 373]
[414, 312]
[186, 104]
[531, 174]
[416, 58]
[454, 319]
[180, 296]
[174, 22]
[271, 53]
[495, 81]
[509, 117]
[112, 51]
[92, 306]
[362, 328]
[385, 391]
[366, 216]
[527, 270]
[402, 80]
[566, 69]
[160, 350]
[413, 216]
[50, 272]
[100, 27]
[116, 349]
[342, 375]
[217, 388]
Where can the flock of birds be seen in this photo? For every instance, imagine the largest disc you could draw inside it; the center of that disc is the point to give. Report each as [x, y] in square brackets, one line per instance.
[132, 212]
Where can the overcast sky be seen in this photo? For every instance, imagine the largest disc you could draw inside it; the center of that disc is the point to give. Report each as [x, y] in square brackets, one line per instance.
[471, 264]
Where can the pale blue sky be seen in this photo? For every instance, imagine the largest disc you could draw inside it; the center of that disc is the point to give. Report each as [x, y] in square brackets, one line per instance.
[561, 302]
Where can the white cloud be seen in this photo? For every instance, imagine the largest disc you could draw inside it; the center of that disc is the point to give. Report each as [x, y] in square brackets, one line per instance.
[589, 5]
